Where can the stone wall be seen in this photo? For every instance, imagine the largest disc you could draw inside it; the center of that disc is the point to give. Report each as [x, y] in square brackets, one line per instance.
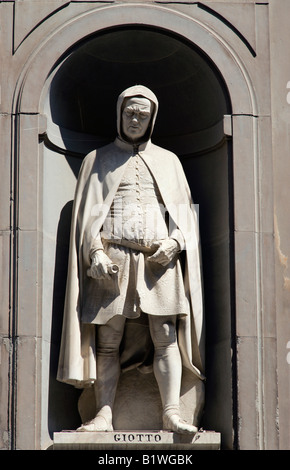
[244, 43]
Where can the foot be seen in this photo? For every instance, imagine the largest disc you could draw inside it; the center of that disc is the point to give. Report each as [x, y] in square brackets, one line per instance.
[173, 422]
[99, 423]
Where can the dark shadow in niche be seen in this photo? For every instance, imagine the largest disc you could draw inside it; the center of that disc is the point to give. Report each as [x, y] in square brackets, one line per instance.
[62, 398]
[209, 177]
[83, 98]
[85, 89]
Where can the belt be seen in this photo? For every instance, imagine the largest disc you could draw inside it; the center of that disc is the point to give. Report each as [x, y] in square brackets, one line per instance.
[130, 244]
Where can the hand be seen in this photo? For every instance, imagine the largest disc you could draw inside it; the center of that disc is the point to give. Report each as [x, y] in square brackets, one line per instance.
[166, 250]
[101, 266]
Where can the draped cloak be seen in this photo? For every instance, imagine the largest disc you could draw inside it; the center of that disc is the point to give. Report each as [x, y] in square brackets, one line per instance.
[99, 178]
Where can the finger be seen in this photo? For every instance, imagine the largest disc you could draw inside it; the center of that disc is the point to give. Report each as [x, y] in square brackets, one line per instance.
[89, 272]
[103, 268]
[156, 244]
[96, 272]
[104, 273]
[164, 262]
[155, 255]
[93, 274]
[162, 259]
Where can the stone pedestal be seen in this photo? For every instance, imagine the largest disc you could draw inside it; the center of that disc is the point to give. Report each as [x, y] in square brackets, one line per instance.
[135, 440]
[138, 405]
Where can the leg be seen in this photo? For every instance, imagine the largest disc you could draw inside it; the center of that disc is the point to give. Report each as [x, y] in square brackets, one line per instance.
[168, 371]
[109, 337]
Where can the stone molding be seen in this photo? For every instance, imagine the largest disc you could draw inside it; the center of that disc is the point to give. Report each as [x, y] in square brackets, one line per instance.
[253, 225]
[136, 440]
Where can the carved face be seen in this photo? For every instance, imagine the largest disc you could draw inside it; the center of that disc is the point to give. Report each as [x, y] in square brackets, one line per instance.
[136, 117]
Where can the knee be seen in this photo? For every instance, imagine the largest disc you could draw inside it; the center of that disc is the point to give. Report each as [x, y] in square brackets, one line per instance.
[164, 334]
[108, 348]
[108, 341]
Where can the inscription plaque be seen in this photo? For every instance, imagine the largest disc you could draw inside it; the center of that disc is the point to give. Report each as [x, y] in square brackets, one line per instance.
[136, 440]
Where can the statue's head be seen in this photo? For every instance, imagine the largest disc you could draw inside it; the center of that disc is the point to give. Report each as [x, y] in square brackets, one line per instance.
[136, 114]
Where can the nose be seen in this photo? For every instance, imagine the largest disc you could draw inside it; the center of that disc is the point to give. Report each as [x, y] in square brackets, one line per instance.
[135, 118]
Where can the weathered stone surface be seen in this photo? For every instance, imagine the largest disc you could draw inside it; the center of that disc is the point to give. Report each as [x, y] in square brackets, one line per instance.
[135, 440]
[280, 87]
[32, 42]
[140, 392]
[5, 358]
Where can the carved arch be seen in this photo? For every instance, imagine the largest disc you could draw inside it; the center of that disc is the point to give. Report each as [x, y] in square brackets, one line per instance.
[32, 84]
[32, 79]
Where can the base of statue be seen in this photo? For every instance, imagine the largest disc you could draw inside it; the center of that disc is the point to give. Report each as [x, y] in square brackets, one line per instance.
[136, 440]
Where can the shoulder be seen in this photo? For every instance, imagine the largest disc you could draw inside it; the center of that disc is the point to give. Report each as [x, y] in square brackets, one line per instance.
[94, 158]
[89, 158]
[98, 152]
[164, 152]
[166, 156]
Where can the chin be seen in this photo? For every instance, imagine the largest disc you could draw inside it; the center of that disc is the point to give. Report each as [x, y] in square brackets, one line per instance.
[134, 137]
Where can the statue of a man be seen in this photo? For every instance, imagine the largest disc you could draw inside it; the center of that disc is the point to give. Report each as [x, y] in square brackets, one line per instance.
[132, 217]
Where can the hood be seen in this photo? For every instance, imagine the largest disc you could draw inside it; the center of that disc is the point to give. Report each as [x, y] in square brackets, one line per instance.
[137, 90]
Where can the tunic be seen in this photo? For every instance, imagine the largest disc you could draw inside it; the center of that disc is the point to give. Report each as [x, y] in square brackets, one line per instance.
[137, 215]
[98, 182]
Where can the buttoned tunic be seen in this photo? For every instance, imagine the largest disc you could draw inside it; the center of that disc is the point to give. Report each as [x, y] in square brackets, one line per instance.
[137, 212]
[100, 177]
[137, 215]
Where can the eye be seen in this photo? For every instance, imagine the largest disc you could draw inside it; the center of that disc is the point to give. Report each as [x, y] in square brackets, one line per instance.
[144, 115]
[129, 112]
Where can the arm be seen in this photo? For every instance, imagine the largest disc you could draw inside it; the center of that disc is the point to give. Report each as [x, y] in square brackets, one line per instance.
[166, 250]
[101, 265]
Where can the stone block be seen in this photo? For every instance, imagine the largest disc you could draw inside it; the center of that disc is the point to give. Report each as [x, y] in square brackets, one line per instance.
[244, 163]
[28, 172]
[138, 405]
[136, 440]
[5, 275]
[280, 120]
[230, 1]
[30, 13]
[241, 15]
[246, 282]
[266, 190]
[259, 69]
[271, 401]
[247, 390]
[28, 399]
[5, 168]
[7, 82]
[28, 284]
[5, 353]
[20, 36]
[268, 305]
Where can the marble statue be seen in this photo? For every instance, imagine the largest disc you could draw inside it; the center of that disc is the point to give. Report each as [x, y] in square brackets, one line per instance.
[132, 218]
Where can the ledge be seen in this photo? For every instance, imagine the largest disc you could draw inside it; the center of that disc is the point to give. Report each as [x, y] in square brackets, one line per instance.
[135, 440]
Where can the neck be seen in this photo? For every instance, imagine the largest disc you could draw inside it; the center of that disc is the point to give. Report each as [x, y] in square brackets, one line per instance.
[136, 146]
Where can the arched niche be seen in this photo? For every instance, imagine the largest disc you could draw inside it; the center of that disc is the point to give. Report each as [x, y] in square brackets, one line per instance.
[85, 86]
[206, 158]
[80, 107]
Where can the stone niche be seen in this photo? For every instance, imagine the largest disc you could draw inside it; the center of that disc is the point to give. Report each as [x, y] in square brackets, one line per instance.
[79, 104]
